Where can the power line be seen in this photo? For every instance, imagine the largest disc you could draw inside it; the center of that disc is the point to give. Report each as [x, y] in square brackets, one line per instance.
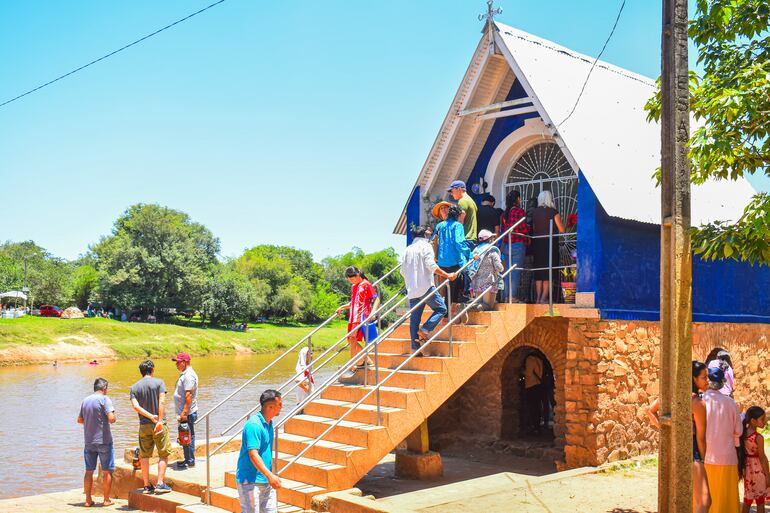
[617, 19]
[129, 45]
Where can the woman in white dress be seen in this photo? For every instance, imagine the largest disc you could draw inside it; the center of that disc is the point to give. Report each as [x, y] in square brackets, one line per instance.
[304, 374]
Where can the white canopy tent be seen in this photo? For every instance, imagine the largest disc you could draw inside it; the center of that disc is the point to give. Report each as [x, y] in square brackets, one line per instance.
[13, 294]
[14, 312]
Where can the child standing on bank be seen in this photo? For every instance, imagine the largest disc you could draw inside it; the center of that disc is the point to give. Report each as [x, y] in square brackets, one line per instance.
[754, 467]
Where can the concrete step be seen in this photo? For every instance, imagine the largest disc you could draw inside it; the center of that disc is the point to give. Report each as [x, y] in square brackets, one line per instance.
[389, 396]
[365, 413]
[166, 503]
[177, 452]
[400, 345]
[426, 363]
[401, 378]
[225, 498]
[292, 492]
[459, 331]
[356, 433]
[334, 452]
[311, 471]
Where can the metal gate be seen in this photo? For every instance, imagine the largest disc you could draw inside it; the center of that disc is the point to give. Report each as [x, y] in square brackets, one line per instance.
[544, 167]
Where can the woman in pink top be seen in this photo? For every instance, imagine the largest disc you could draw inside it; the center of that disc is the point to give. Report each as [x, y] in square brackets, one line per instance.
[723, 432]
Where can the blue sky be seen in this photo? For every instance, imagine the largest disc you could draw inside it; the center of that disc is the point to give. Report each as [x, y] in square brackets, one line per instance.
[299, 122]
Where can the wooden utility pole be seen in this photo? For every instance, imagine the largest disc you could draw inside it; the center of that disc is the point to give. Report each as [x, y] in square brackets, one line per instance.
[675, 461]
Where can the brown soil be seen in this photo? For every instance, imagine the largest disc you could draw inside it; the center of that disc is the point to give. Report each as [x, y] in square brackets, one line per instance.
[85, 348]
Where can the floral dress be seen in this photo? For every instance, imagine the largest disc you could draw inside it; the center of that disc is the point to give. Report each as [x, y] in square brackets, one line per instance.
[754, 482]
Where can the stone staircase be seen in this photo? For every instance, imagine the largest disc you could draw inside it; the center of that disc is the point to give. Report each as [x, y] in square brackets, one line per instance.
[357, 444]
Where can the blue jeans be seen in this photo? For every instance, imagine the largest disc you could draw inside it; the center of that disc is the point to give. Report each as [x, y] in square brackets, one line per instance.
[515, 257]
[436, 303]
[189, 450]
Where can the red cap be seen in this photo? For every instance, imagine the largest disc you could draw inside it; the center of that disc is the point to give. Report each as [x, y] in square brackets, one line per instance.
[181, 357]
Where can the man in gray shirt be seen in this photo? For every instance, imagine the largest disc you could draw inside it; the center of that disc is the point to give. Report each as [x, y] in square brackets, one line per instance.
[148, 397]
[96, 415]
[186, 402]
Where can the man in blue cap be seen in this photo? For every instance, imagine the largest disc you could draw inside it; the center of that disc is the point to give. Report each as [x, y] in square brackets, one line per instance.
[468, 206]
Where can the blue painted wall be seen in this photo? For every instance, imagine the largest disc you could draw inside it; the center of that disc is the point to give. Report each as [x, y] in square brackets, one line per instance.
[619, 260]
[412, 213]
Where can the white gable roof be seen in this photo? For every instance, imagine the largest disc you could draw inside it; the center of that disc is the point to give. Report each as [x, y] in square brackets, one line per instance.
[608, 135]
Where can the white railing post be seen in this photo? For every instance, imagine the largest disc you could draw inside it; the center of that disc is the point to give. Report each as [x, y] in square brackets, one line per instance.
[208, 462]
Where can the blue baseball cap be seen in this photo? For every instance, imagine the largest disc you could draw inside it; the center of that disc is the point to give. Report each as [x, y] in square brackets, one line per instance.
[457, 184]
[716, 375]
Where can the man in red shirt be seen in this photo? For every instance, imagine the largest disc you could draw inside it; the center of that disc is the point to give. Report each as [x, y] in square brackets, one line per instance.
[362, 295]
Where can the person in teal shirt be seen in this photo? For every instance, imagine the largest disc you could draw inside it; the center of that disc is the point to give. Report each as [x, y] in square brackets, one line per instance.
[453, 251]
[254, 477]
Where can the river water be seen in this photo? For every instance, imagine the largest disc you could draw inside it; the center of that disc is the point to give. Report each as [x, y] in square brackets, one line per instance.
[41, 443]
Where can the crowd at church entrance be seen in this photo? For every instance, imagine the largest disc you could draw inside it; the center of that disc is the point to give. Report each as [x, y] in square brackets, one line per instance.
[464, 231]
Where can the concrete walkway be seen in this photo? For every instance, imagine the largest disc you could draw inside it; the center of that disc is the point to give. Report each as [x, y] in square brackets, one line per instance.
[60, 502]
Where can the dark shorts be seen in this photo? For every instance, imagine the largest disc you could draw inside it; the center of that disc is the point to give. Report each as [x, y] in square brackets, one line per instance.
[103, 452]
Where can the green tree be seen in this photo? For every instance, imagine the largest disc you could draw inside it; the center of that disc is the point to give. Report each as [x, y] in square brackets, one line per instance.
[731, 101]
[83, 285]
[156, 257]
[47, 275]
[230, 297]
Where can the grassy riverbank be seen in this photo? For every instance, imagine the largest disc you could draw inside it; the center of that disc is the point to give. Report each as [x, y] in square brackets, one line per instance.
[38, 340]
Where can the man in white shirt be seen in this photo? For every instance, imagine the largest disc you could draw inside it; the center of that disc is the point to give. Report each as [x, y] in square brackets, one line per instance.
[418, 267]
[186, 402]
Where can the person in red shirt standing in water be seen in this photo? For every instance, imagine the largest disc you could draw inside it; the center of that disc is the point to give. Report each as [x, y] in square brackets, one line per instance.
[361, 296]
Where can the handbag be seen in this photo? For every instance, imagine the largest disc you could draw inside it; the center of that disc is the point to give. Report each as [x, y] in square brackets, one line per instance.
[368, 329]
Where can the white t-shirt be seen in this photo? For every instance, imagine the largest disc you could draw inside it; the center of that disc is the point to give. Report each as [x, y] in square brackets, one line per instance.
[188, 380]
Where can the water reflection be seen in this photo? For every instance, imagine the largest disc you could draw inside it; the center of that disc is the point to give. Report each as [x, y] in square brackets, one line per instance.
[41, 441]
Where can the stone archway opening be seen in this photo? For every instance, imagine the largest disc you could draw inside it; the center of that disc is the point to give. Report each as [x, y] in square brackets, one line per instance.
[527, 407]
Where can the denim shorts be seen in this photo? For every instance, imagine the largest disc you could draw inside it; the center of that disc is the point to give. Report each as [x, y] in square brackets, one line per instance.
[103, 452]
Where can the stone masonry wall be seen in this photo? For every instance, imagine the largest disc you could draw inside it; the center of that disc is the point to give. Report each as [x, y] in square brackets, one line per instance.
[606, 374]
[608, 420]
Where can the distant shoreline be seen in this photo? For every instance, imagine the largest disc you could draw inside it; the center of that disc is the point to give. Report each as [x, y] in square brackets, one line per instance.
[37, 341]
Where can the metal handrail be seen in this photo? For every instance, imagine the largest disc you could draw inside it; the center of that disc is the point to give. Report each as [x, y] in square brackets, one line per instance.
[340, 341]
[452, 320]
[374, 345]
[320, 357]
[285, 353]
[308, 338]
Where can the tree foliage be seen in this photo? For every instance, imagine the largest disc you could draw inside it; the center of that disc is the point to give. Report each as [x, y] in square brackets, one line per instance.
[731, 102]
[229, 297]
[156, 258]
[46, 275]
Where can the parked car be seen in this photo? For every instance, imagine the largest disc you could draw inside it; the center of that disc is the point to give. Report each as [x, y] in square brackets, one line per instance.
[50, 311]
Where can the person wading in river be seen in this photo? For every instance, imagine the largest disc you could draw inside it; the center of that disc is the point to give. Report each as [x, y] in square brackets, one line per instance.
[96, 415]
